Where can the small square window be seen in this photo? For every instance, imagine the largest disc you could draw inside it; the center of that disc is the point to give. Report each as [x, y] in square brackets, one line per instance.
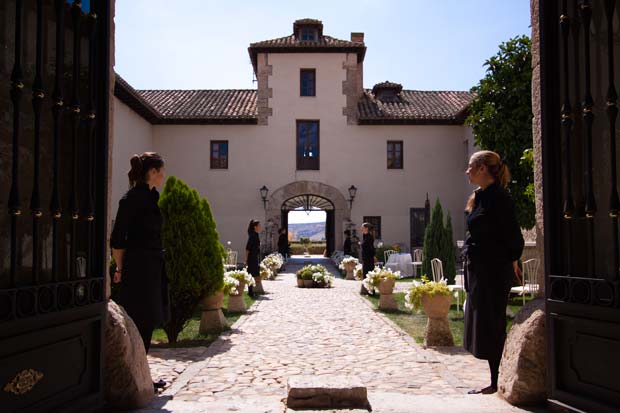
[395, 154]
[307, 82]
[219, 154]
[308, 35]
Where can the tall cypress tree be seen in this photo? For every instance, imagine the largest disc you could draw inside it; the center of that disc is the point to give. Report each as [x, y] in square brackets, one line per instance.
[448, 252]
[433, 239]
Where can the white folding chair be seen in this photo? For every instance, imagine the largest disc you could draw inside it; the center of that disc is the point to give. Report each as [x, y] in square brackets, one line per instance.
[459, 285]
[437, 268]
[417, 261]
[529, 283]
[387, 254]
[231, 260]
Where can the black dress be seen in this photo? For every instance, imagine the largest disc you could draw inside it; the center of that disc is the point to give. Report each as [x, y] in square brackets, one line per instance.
[347, 246]
[494, 242]
[253, 248]
[144, 286]
[283, 248]
[368, 253]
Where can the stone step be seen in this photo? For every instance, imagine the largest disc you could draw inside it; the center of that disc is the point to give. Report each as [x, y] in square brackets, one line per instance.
[326, 392]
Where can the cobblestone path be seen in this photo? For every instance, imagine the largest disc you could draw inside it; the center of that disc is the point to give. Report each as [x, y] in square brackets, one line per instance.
[293, 331]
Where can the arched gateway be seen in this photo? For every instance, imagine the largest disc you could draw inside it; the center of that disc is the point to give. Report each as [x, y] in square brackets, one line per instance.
[310, 194]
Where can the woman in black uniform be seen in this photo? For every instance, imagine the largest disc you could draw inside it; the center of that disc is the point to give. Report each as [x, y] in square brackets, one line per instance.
[137, 247]
[368, 252]
[346, 248]
[493, 248]
[252, 252]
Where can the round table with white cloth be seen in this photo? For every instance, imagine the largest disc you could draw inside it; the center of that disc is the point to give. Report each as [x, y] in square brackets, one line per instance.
[401, 262]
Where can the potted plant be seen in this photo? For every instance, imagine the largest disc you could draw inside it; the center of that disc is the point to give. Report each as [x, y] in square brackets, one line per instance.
[435, 299]
[322, 278]
[348, 264]
[306, 276]
[273, 262]
[382, 280]
[236, 302]
[305, 241]
[265, 273]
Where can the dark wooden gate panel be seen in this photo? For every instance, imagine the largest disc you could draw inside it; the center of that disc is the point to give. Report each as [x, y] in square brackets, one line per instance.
[330, 231]
[579, 72]
[53, 185]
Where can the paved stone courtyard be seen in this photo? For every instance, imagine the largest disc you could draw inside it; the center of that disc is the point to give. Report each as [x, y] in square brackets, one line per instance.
[294, 331]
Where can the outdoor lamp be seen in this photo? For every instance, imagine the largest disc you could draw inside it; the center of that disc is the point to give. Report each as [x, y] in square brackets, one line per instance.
[352, 193]
[264, 191]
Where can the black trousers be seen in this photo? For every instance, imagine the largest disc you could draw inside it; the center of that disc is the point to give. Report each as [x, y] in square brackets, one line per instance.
[146, 332]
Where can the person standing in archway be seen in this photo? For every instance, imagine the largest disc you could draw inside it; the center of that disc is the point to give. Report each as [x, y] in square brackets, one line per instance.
[493, 248]
[347, 243]
[137, 248]
[283, 244]
[252, 252]
[368, 252]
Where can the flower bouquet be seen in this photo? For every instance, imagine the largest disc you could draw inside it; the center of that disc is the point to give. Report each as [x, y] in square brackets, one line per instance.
[380, 279]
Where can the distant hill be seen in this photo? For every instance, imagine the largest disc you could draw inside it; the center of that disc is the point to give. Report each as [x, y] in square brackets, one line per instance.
[315, 231]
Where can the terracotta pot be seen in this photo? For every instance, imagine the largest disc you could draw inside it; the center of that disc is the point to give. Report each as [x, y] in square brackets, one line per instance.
[308, 283]
[350, 266]
[320, 285]
[300, 283]
[436, 306]
[213, 301]
[240, 288]
[386, 287]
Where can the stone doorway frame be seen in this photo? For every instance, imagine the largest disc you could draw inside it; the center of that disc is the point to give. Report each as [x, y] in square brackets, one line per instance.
[342, 211]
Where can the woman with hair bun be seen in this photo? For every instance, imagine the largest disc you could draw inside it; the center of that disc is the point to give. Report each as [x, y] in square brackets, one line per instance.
[137, 248]
[252, 252]
[493, 248]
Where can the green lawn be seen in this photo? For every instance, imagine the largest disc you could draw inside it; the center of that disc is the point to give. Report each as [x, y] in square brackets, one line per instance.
[413, 324]
[190, 337]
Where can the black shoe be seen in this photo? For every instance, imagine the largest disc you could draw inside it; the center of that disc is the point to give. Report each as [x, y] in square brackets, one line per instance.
[159, 384]
[486, 390]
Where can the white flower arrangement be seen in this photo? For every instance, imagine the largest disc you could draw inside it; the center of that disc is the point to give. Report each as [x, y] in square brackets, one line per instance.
[230, 285]
[348, 261]
[359, 272]
[323, 278]
[374, 277]
[241, 276]
[265, 273]
[413, 297]
[273, 261]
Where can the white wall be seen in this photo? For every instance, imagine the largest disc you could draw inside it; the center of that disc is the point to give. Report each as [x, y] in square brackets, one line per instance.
[435, 156]
[132, 134]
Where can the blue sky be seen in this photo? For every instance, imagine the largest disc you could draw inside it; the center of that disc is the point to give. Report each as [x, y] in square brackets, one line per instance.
[202, 44]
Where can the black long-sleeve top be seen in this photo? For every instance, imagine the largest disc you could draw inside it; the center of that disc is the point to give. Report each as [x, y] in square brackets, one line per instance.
[347, 246]
[253, 246]
[283, 244]
[368, 247]
[494, 233]
[138, 220]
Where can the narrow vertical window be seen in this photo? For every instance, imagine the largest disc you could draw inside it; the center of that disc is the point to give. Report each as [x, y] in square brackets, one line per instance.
[307, 82]
[219, 154]
[395, 154]
[308, 145]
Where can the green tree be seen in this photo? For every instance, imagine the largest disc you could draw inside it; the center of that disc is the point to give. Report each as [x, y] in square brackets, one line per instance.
[193, 253]
[433, 239]
[438, 243]
[448, 252]
[501, 117]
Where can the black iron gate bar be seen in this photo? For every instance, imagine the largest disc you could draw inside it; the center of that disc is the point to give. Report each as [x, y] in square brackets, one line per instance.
[92, 114]
[612, 113]
[57, 111]
[17, 86]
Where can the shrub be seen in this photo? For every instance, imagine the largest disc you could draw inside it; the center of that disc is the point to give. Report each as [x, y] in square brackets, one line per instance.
[193, 252]
[438, 243]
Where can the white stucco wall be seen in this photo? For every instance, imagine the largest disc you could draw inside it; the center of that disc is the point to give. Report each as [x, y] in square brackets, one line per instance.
[132, 134]
[435, 156]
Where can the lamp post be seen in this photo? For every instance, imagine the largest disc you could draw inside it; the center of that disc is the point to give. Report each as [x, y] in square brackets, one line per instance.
[264, 191]
[352, 193]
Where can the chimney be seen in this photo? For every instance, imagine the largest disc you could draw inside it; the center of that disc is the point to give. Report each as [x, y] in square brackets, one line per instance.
[357, 37]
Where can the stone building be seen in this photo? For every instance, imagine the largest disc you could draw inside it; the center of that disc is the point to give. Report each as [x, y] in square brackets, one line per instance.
[308, 133]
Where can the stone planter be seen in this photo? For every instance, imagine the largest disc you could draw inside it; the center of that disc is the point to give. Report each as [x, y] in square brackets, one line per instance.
[236, 304]
[300, 283]
[437, 331]
[350, 268]
[308, 283]
[212, 319]
[258, 287]
[386, 298]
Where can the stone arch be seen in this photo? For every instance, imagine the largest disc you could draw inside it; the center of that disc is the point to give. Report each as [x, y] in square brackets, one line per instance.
[342, 212]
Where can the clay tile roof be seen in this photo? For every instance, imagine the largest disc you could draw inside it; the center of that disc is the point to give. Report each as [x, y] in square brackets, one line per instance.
[189, 106]
[414, 107]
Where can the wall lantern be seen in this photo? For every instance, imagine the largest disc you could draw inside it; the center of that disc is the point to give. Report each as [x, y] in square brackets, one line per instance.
[264, 191]
[352, 193]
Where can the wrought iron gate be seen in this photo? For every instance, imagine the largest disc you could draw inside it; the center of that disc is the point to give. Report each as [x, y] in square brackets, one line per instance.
[580, 42]
[53, 185]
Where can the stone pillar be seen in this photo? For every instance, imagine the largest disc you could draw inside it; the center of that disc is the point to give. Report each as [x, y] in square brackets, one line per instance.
[437, 332]
[537, 138]
[236, 304]
[258, 288]
[386, 297]
[212, 319]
